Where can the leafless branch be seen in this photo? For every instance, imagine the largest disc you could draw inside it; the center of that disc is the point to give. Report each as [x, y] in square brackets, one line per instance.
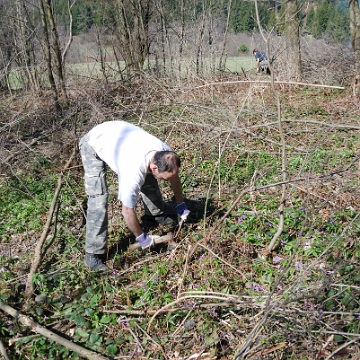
[38, 251]
[27, 321]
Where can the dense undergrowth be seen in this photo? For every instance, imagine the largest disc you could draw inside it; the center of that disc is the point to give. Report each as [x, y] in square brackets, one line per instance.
[220, 293]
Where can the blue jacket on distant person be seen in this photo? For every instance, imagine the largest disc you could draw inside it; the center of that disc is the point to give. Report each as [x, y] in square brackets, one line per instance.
[262, 63]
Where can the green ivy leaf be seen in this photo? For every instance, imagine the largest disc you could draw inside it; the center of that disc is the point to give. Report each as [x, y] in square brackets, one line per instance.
[338, 338]
[84, 334]
[89, 311]
[112, 349]
[84, 297]
[105, 319]
[94, 337]
[94, 300]
[79, 320]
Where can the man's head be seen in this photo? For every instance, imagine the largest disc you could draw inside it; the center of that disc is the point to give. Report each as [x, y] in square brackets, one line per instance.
[255, 51]
[165, 164]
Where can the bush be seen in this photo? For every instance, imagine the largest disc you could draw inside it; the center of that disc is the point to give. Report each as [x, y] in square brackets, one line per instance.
[243, 48]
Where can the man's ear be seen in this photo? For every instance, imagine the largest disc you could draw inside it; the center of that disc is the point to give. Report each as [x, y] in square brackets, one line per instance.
[153, 166]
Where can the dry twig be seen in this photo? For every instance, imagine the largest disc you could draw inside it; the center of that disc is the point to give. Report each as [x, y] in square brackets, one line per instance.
[3, 351]
[38, 251]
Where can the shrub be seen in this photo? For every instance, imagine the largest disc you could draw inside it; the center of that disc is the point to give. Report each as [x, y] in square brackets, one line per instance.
[243, 48]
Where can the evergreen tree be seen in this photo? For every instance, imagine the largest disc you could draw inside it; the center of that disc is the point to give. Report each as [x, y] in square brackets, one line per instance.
[272, 23]
[243, 19]
[281, 23]
[310, 18]
[322, 16]
[339, 28]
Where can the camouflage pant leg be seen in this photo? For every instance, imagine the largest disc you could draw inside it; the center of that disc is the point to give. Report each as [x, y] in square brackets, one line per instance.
[151, 196]
[97, 191]
[264, 65]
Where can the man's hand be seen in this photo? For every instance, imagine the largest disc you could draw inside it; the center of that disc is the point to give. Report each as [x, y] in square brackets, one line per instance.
[182, 211]
[146, 240]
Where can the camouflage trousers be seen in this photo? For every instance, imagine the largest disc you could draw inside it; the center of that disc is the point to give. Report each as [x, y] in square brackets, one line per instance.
[264, 66]
[97, 190]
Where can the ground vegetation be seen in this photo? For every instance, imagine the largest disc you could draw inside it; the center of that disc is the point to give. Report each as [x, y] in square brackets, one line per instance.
[264, 161]
[266, 265]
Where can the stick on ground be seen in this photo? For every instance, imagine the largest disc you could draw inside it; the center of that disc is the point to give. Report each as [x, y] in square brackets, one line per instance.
[27, 321]
[38, 251]
[162, 239]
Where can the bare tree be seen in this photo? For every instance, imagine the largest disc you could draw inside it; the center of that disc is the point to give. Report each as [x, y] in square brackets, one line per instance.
[24, 47]
[5, 46]
[165, 41]
[355, 31]
[102, 53]
[222, 58]
[283, 144]
[182, 33]
[48, 56]
[56, 49]
[17, 47]
[21, 37]
[133, 32]
[67, 46]
[292, 39]
[199, 50]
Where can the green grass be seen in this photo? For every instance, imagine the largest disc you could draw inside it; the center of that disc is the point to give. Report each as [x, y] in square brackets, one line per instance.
[92, 71]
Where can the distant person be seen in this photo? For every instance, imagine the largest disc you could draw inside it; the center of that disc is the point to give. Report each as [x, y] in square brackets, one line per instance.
[262, 63]
[139, 159]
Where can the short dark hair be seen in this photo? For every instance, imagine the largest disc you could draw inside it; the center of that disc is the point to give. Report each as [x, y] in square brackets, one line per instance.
[255, 50]
[166, 161]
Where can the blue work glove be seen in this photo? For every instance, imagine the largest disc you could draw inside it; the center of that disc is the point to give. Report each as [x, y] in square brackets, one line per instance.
[146, 240]
[182, 211]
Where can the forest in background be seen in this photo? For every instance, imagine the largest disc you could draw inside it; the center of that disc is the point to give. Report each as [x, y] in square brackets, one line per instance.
[317, 18]
[37, 38]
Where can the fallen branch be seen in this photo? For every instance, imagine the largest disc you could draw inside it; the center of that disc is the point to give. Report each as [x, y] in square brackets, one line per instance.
[228, 298]
[27, 321]
[38, 255]
[142, 313]
[3, 351]
[296, 83]
[168, 238]
[268, 350]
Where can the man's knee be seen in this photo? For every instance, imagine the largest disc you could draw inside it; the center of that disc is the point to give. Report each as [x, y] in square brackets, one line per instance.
[95, 184]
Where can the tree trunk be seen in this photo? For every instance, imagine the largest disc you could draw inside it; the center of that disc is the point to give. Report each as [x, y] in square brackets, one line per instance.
[133, 33]
[165, 41]
[222, 61]
[292, 40]
[56, 50]
[199, 51]
[182, 34]
[48, 56]
[125, 39]
[355, 32]
[67, 46]
[7, 30]
[24, 47]
[102, 55]
[211, 40]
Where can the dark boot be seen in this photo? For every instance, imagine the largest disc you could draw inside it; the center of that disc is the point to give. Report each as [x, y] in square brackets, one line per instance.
[95, 263]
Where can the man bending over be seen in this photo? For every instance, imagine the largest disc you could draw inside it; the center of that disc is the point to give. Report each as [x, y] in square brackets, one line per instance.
[139, 159]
